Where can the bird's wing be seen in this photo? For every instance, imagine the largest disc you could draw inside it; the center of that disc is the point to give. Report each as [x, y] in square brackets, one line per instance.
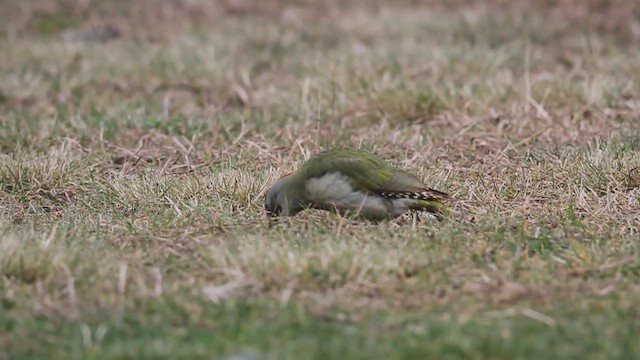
[405, 185]
[370, 174]
[367, 172]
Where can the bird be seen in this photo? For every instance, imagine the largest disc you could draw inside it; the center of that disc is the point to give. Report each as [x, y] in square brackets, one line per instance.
[352, 182]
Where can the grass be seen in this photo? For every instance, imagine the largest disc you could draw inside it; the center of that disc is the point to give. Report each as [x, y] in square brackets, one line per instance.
[247, 328]
[133, 169]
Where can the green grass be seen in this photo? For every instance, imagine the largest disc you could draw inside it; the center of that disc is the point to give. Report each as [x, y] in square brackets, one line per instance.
[133, 172]
[166, 328]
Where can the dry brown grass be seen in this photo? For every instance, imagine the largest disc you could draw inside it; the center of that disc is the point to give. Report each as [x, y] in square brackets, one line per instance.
[133, 169]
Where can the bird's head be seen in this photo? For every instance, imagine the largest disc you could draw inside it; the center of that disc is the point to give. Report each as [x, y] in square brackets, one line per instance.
[284, 197]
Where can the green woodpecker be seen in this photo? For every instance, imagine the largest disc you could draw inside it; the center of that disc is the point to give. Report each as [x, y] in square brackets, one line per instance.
[352, 182]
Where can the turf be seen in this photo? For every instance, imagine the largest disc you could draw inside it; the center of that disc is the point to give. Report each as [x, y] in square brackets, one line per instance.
[137, 141]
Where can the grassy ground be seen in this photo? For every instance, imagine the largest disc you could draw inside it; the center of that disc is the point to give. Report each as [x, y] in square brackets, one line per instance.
[137, 141]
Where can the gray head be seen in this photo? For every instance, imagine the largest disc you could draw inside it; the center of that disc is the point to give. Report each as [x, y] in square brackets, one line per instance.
[284, 198]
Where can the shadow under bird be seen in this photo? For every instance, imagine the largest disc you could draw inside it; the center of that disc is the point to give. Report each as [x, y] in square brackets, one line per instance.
[352, 182]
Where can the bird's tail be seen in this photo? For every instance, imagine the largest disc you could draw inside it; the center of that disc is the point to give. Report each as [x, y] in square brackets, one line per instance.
[434, 206]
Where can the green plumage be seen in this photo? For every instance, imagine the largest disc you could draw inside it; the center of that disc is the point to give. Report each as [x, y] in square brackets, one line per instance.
[367, 174]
